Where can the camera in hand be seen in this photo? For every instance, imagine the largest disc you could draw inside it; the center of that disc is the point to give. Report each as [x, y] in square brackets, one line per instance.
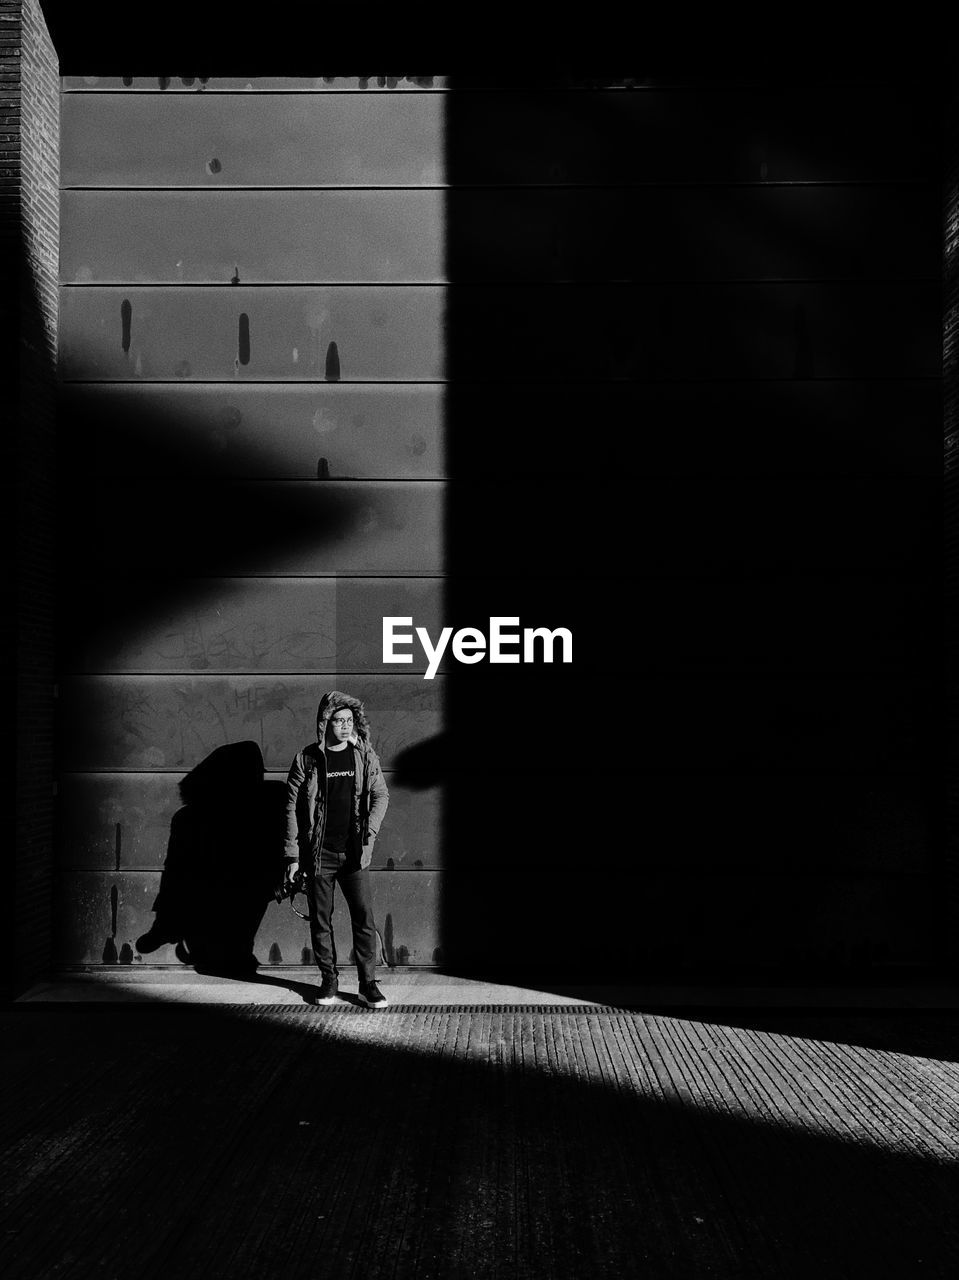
[290, 886]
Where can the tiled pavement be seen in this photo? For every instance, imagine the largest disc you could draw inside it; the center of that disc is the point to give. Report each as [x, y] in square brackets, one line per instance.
[475, 1130]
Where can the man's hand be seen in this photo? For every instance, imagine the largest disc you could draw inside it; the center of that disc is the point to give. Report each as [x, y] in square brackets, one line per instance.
[290, 874]
[366, 857]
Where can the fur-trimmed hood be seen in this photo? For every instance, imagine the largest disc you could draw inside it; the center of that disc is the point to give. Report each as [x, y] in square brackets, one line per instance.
[336, 701]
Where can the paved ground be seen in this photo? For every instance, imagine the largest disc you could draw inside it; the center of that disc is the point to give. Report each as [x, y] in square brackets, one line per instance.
[296, 986]
[168, 1137]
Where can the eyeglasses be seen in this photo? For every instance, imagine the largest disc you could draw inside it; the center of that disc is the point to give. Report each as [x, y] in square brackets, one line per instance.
[342, 720]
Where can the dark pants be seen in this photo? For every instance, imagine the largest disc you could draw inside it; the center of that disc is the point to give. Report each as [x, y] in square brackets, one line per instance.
[355, 887]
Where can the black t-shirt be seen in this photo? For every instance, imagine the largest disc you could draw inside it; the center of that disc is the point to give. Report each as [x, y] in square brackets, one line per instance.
[340, 784]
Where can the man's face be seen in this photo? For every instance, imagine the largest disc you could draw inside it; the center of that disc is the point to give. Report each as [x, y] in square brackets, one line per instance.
[339, 727]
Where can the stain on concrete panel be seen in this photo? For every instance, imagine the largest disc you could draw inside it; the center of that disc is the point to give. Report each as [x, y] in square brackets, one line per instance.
[171, 723]
[126, 319]
[262, 433]
[243, 339]
[198, 325]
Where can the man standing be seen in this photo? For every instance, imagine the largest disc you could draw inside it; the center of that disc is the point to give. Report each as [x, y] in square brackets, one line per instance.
[335, 802]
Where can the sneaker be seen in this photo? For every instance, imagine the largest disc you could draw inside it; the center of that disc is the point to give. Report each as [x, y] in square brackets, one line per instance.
[329, 988]
[372, 996]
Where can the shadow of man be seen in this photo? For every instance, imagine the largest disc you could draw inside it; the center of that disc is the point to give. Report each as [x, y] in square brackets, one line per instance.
[222, 865]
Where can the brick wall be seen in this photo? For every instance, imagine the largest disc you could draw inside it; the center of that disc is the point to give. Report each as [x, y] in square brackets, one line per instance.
[950, 368]
[30, 104]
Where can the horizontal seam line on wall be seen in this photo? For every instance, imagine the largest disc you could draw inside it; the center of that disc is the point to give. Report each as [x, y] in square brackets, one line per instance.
[281, 771]
[901, 681]
[187, 91]
[214, 481]
[877, 575]
[197, 383]
[494, 283]
[162, 773]
[681, 87]
[663, 184]
[488, 382]
[678, 772]
[269, 675]
[645, 873]
[355, 575]
[370, 577]
[218, 482]
[699, 676]
[270, 382]
[925, 471]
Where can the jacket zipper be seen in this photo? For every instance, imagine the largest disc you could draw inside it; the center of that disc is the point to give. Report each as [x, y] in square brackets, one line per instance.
[325, 804]
[365, 791]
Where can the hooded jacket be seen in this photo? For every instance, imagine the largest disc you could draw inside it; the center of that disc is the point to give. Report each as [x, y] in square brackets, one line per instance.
[306, 790]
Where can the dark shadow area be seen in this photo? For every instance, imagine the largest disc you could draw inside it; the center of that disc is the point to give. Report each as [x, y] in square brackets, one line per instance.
[173, 505]
[721, 485]
[685, 472]
[558, 1146]
[211, 1154]
[926, 1033]
[222, 865]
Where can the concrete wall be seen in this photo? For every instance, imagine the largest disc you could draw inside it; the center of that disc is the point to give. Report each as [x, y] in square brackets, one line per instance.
[252, 357]
[661, 364]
